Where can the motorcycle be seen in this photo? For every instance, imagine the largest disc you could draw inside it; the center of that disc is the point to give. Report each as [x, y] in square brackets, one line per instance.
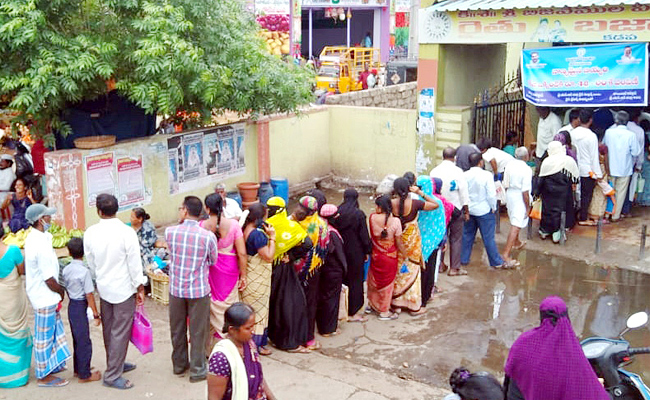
[608, 356]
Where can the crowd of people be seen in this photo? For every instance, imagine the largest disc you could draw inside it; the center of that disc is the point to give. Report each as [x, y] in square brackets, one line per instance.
[242, 281]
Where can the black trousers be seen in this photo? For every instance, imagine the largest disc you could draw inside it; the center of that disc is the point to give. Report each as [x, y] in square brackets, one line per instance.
[586, 191]
[428, 278]
[83, 347]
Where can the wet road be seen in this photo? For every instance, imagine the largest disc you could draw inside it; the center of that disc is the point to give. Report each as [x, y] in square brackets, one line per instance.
[476, 318]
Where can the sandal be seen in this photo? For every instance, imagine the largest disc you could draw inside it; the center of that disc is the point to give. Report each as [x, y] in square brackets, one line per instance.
[315, 346]
[358, 319]
[300, 349]
[510, 264]
[128, 367]
[390, 317]
[587, 223]
[94, 376]
[457, 272]
[419, 312]
[521, 246]
[56, 382]
[264, 351]
[368, 310]
[336, 332]
[120, 383]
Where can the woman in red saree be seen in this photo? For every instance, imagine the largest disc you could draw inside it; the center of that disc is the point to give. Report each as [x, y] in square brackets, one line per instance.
[385, 233]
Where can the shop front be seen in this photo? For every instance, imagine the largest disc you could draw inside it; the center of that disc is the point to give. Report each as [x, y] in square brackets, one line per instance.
[345, 23]
[467, 47]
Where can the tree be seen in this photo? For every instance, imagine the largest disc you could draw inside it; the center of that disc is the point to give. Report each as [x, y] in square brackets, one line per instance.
[164, 55]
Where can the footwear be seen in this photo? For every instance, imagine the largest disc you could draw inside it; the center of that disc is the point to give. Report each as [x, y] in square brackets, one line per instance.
[587, 223]
[315, 346]
[443, 267]
[300, 349]
[182, 371]
[358, 319]
[336, 332]
[511, 264]
[94, 376]
[457, 272]
[390, 317]
[521, 246]
[557, 235]
[56, 382]
[543, 235]
[199, 378]
[120, 383]
[368, 310]
[264, 351]
[128, 367]
[419, 312]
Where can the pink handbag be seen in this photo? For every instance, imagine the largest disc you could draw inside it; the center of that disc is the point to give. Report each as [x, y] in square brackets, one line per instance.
[142, 334]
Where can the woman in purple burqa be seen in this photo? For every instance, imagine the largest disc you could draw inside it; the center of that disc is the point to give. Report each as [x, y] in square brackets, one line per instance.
[547, 363]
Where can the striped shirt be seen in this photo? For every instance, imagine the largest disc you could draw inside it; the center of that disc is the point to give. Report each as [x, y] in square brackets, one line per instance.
[192, 250]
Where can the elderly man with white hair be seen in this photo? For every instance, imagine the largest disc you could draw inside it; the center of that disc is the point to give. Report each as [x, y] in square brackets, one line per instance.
[623, 149]
[517, 180]
[231, 209]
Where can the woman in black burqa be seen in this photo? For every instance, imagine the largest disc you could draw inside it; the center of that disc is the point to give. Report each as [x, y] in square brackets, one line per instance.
[352, 225]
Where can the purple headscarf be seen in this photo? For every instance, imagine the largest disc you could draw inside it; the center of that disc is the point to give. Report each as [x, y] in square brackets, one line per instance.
[561, 137]
[547, 363]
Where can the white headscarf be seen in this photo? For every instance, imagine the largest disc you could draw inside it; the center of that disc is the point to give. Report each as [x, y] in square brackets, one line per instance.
[558, 161]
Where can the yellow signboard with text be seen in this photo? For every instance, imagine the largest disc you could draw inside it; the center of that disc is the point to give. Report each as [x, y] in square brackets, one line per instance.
[613, 23]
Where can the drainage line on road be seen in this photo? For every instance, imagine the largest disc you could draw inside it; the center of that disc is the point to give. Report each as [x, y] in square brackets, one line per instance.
[599, 234]
[644, 232]
[562, 228]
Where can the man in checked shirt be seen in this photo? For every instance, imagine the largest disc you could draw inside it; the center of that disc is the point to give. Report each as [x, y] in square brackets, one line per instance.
[192, 249]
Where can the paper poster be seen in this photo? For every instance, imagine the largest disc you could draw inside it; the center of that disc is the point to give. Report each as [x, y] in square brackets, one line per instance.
[595, 75]
[426, 108]
[130, 178]
[99, 176]
[199, 158]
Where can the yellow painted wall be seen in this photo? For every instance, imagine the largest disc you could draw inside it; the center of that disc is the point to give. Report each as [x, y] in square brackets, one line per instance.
[162, 206]
[370, 143]
[300, 146]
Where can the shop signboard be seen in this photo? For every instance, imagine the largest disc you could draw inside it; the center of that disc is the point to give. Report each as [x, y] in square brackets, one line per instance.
[402, 5]
[344, 3]
[610, 23]
[272, 7]
[592, 75]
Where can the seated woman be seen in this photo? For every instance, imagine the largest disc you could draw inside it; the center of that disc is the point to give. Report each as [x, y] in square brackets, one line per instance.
[234, 368]
[20, 200]
[547, 362]
[472, 386]
[146, 234]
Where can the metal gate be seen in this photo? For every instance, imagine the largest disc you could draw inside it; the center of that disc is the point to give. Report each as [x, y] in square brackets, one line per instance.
[499, 110]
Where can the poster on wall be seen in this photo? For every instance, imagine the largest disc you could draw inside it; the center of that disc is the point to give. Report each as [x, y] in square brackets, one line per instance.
[426, 107]
[594, 75]
[99, 176]
[199, 158]
[130, 178]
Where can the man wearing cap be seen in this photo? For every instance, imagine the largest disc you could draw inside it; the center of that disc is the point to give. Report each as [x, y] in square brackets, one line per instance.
[42, 283]
[113, 254]
[7, 176]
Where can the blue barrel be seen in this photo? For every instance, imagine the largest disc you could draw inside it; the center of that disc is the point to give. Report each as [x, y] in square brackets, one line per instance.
[235, 196]
[265, 192]
[281, 188]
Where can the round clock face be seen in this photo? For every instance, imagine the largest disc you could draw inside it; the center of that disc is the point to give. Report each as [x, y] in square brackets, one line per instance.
[437, 25]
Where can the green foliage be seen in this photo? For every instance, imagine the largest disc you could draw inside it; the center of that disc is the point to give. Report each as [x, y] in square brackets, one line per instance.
[164, 55]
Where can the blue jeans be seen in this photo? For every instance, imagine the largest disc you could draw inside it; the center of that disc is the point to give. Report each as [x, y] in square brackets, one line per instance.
[486, 224]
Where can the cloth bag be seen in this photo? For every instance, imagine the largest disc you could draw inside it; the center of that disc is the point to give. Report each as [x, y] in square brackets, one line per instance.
[343, 303]
[142, 334]
[501, 192]
[536, 210]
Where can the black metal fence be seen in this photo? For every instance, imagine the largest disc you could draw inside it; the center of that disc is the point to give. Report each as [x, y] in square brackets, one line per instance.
[495, 120]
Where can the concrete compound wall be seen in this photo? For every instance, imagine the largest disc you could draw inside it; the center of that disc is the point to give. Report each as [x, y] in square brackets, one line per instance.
[357, 143]
[402, 96]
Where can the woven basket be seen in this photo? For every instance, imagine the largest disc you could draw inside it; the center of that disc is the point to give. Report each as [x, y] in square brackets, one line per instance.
[94, 142]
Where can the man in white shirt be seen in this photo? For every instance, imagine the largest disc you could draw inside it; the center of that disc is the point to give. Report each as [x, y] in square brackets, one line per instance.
[113, 254]
[517, 181]
[633, 126]
[42, 283]
[549, 124]
[586, 144]
[231, 208]
[454, 189]
[574, 121]
[623, 150]
[482, 205]
[495, 159]
[7, 176]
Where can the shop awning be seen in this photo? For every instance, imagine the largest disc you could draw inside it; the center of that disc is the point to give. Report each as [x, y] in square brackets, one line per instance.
[550, 21]
[466, 5]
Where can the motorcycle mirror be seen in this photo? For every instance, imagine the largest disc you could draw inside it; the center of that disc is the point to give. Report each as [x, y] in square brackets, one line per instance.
[637, 320]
